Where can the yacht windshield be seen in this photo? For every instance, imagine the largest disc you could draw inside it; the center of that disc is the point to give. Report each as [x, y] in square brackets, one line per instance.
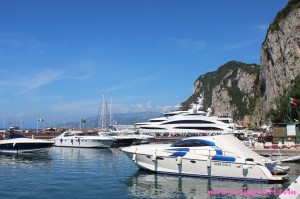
[190, 143]
[13, 135]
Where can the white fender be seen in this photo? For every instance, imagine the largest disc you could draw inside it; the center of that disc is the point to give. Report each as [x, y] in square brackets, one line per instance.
[245, 166]
[288, 144]
[179, 160]
[208, 162]
[154, 157]
[268, 145]
[134, 158]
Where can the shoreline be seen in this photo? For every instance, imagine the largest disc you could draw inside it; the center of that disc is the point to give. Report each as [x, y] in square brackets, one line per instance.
[170, 140]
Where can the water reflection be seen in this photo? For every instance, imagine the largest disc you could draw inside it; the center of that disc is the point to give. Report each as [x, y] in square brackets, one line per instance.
[32, 158]
[80, 154]
[148, 185]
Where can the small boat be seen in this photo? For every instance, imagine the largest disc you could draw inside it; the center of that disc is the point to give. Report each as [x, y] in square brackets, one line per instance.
[13, 128]
[295, 158]
[72, 138]
[271, 158]
[221, 156]
[17, 143]
[277, 169]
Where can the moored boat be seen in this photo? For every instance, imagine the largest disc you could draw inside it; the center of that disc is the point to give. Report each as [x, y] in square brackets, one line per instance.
[222, 156]
[17, 143]
[192, 121]
[73, 138]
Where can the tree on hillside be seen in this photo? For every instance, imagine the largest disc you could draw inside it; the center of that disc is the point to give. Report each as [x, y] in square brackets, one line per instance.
[286, 110]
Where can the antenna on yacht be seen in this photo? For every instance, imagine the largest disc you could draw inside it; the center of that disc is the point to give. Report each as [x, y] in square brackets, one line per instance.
[209, 111]
[195, 108]
[200, 101]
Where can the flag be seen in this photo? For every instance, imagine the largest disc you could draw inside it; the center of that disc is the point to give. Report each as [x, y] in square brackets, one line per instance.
[82, 121]
[39, 119]
[293, 101]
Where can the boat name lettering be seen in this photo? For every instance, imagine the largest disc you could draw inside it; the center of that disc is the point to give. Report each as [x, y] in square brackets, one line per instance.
[222, 164]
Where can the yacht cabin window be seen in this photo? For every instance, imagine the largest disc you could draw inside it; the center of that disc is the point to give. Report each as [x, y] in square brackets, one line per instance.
[189, 143]
[189, 122]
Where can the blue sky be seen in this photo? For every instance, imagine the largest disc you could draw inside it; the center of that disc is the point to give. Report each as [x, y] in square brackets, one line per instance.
[58, 57]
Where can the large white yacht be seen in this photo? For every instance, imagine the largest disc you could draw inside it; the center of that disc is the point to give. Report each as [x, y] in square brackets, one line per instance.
[220, 156]
[194, 120]
[72, 138]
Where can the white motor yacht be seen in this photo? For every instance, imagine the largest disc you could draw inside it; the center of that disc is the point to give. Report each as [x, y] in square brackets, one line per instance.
[17, 143]
[221, 156]
[194, 120]
[73, 138]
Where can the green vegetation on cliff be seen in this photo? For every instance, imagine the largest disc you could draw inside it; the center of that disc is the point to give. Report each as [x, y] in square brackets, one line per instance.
[292, 5]
[285, 111]
[226, 73]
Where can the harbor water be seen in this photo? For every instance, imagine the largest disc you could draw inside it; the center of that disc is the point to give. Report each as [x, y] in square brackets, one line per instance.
[109, 173]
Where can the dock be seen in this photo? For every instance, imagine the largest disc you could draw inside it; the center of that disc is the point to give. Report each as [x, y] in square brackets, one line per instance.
[277, 152]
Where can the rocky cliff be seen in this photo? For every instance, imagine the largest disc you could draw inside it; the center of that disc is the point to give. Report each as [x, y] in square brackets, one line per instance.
[280, 59]
[247, 90]
[229, 90]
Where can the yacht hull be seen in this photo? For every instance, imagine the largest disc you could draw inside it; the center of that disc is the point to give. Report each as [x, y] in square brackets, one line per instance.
[23, 145]
[83, 143]
[122, 142]
[222, 156]
[200, 168]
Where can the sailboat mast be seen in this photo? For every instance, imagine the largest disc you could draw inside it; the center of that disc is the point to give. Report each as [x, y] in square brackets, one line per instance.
[21, 122]
[110, 112]
[103, 113]
[3, 121]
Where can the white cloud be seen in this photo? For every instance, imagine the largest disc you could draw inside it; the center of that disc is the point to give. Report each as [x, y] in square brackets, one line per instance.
[137, 108]
[183, 43]
[262, 28]
[27, 82]
[190, 43]
[21, 45]
[149, 107]
[240, 45]
[40, 79]
[129, 84]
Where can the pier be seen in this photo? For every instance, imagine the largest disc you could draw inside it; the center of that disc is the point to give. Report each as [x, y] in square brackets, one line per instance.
[277, 152]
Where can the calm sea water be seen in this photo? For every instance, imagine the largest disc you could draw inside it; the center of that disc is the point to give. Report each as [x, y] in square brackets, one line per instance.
[106, 173]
